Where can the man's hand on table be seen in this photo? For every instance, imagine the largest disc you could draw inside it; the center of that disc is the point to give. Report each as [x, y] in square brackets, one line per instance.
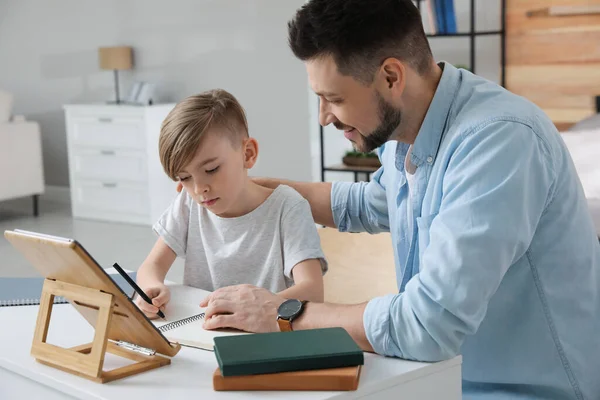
[244, 307]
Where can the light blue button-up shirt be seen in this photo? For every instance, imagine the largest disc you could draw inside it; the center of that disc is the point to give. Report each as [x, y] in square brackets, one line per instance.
[503, 264]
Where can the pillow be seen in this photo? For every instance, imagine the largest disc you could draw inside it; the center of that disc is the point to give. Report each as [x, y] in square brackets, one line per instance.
[6, 103]
[583, 146]
[589, 123]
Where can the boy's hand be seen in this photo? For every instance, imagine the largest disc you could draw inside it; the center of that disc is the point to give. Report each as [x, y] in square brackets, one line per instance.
[160, 295]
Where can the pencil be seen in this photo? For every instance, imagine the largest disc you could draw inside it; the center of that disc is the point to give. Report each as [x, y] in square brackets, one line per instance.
[136, 287]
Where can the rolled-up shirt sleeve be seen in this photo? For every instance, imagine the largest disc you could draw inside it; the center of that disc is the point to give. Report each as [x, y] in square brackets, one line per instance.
[497, 185]
[360, 206]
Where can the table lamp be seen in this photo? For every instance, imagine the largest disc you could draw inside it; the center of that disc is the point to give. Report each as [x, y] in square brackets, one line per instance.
[116, 59]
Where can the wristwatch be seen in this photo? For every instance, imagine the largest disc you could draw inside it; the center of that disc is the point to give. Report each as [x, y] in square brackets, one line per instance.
[288, 311]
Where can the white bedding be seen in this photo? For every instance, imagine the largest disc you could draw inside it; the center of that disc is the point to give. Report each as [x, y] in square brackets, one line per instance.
[584, 147]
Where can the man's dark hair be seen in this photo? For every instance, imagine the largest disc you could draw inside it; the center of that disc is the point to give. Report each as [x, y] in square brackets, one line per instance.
[360, 35]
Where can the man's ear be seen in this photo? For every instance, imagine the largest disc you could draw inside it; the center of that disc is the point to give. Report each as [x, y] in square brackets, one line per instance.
[392, 77]
[250, 147]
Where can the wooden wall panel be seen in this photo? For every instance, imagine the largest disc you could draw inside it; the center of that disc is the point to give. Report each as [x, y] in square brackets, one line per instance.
[560, 79]
[535, 49]
[549, 99]
[554, 61]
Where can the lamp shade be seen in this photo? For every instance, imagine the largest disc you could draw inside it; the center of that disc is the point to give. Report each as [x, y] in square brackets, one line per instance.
[115, 58]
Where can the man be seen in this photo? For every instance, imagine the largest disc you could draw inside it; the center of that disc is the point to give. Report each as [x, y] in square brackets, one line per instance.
[496, 254]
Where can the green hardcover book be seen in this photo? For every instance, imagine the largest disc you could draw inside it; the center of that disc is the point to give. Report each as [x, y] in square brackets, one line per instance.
[265, 353]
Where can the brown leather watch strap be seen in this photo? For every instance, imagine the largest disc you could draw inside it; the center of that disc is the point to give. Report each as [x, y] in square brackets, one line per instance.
[284, 325]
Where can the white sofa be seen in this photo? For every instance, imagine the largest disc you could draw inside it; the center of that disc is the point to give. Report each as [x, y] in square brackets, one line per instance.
[21, 167]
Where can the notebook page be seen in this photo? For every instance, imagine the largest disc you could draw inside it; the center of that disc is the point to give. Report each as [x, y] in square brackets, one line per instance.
[178, 311]
[185, 304]
[194, 335]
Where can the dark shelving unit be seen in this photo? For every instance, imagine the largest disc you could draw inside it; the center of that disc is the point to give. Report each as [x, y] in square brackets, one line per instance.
[472, 34]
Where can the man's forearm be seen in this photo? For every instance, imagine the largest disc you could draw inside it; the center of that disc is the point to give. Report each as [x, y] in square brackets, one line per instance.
[318, 195]
[323, 315]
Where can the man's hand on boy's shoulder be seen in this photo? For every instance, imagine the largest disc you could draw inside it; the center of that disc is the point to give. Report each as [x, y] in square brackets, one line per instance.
[266, 182]
[244, 307]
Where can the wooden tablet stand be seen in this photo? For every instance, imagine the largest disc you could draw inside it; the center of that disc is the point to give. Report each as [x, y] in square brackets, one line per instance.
[86, 360]
[120, 327]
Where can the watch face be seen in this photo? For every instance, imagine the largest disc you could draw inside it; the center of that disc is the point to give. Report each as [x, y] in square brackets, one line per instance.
[289, 308]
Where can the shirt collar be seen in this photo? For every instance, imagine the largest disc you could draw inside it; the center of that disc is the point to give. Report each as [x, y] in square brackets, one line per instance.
[430, 134]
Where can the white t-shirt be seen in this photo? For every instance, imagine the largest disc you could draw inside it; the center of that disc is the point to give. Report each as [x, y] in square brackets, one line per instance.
[260, 248]
[410, 170]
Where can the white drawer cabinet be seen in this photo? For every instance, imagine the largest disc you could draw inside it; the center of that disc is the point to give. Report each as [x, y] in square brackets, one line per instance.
[118, 132]
[110, 165]
[114, 169]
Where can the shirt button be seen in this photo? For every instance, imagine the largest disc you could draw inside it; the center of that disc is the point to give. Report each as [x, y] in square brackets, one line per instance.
[429, 159]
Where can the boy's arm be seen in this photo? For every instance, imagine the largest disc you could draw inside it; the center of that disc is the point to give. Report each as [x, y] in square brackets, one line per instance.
[151, 277]
[303, 258]
[171, 229]
[155, 267]
[308, 282]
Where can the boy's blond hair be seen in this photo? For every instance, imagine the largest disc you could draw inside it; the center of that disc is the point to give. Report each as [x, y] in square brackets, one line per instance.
[186, 125]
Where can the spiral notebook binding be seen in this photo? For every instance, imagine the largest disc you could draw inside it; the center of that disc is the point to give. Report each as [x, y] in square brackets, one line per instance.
[29, 302]
[181, 322]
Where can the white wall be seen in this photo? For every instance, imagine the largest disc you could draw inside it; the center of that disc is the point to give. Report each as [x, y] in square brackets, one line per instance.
[48, 57]
[453, 50]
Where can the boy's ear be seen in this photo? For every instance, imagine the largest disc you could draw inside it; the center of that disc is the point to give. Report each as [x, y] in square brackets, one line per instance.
[250, 147]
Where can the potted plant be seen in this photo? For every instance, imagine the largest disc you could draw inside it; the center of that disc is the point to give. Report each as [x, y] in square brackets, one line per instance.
[358, 159]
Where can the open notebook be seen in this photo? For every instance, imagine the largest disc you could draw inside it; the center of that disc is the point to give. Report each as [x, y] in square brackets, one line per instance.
[184, 319]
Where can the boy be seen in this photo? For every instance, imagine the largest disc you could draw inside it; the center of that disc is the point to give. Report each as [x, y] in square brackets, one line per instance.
[229, 229]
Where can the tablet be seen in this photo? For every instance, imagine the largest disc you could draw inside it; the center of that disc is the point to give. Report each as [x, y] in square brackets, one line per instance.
[66, 260]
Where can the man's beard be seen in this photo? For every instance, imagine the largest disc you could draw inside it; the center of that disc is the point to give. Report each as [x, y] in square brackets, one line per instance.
[390, 120]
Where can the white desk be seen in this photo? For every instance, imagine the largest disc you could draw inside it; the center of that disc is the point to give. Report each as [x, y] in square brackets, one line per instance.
[190, 373]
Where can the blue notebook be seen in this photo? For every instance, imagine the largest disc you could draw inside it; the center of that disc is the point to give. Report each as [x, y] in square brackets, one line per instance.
[450, 16]
[440, 19]
[27, 291]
